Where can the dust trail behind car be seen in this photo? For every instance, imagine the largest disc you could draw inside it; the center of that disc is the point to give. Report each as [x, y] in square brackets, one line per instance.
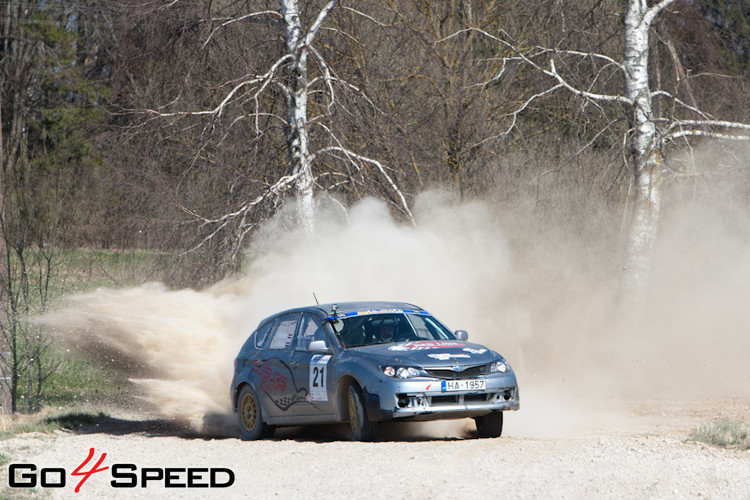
[542, 292]
[178, 345]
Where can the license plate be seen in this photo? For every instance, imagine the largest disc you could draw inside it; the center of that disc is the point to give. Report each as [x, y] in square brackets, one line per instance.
[463, 385]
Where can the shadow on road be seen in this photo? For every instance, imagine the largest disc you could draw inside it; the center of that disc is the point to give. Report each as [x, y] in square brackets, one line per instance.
[215, 427]
[222, 426]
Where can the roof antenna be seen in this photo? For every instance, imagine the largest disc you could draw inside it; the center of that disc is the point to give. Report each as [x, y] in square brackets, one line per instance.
[316, 299]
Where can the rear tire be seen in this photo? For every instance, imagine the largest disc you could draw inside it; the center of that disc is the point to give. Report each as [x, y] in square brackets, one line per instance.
[361, 427]
[490, 425]
[250, 416]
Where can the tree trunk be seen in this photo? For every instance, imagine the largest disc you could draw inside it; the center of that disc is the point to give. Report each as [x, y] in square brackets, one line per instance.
[647, 159]
[6, 396]
[297, 142]
[641, 237]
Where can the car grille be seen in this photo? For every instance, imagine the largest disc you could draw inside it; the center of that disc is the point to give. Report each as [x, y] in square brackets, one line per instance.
[449, 374]
[459, 399]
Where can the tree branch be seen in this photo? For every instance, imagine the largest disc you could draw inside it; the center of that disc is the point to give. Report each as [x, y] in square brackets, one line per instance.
[264, 79]
[319, 22]
[354, 156]
[655, 10]
[582, 93]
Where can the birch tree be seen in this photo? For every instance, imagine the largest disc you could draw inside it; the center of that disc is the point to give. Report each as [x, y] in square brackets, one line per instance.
[648, 134]
[318, 156]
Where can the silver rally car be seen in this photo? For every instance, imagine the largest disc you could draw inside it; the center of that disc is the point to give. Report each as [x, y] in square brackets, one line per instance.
[365, 363]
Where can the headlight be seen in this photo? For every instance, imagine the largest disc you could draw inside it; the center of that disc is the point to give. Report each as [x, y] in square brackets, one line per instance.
[407, 372]
[501, 366]
[401, 371]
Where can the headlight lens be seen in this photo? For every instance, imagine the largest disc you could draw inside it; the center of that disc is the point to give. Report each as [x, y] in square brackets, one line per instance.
[501, 366]
[401, 371]
[407, 372]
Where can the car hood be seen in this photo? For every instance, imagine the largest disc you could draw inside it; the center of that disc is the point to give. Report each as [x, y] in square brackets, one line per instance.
[429, 353]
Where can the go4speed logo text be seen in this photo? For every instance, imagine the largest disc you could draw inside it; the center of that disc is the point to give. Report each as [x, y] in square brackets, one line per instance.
[122, 475]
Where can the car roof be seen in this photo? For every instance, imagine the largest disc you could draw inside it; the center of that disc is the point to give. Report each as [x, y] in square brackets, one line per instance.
[355, 306]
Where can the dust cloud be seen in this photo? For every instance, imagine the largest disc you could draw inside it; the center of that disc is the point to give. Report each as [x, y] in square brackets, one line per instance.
[542, 294]
[179, 345]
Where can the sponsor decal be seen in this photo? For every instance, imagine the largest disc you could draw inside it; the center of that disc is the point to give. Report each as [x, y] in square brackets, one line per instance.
[378, 311]
[120, 475]
[368, 312]
[274, 384]
[318, 371]
[270, 380]
[425, 344]
[475, 351]
[443, 356]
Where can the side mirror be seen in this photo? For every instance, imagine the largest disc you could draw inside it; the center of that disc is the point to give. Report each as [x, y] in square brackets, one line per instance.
[318, 346]
[462, 335]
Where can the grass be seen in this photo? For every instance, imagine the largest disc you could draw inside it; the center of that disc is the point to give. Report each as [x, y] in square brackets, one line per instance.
[81, 380]
[731, 434]
[78, 378]
[80, 270]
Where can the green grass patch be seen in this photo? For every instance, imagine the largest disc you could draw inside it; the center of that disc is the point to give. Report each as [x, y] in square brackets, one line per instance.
[79, 379]
[81, 270]
[732, 434]
[72, 378]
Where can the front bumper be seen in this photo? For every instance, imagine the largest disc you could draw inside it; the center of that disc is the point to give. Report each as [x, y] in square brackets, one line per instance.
[425, 399]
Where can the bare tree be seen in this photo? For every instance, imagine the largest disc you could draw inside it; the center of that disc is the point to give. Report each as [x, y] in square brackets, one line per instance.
[313, 93]
[41, 146]
[648, 133]
[454, 75]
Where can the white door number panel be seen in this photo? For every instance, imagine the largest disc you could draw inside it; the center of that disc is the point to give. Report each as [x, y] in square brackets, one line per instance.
[318, 375]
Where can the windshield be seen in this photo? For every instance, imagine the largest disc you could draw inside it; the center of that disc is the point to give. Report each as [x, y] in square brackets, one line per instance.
[360, 329]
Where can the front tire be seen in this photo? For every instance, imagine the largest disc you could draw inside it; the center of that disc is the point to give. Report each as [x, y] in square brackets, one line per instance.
[490, 425]
[361, 427]
[250, 416]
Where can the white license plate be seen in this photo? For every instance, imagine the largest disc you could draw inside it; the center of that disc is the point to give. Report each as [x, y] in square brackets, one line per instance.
[463, 385]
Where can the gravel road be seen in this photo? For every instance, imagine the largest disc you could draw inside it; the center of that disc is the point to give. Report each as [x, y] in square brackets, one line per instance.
[548, 450]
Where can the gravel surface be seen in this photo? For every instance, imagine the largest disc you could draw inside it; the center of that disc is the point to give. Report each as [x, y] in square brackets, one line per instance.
[627, 450]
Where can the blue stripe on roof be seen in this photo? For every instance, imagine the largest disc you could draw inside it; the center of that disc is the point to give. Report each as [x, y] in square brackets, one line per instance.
[368, 312]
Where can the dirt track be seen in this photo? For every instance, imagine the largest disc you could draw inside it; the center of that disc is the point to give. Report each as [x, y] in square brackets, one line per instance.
[630, 451]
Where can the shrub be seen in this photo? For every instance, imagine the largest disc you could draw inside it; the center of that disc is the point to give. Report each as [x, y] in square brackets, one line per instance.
[733, 434]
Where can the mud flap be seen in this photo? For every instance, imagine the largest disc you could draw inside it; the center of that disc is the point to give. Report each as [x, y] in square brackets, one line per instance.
[372, 406]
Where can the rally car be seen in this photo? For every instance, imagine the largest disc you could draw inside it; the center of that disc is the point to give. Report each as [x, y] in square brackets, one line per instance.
[366, 363]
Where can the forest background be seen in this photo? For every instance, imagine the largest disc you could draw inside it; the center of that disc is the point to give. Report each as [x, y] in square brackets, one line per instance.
[150, 140]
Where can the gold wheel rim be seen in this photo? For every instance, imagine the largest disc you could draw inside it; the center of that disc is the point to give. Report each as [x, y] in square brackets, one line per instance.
[249, 409]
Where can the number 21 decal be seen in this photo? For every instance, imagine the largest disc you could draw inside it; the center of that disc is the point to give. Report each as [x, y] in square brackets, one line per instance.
[318, 390]
[318, 377]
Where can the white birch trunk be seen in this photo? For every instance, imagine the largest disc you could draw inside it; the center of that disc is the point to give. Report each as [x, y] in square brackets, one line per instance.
[647, 158]
[297, 143]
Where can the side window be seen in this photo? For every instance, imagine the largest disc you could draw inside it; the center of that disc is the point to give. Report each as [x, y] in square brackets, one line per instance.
[283, 332]
[262, 333]
[311, 329]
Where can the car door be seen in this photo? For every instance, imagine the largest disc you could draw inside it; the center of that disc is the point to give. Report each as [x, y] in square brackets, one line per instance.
[278, 390]
[311, 369]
